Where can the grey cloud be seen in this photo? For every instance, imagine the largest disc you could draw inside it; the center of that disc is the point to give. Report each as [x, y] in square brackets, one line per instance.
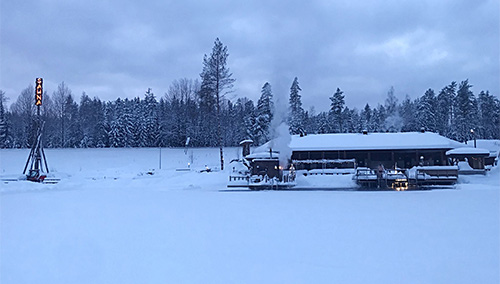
[120, 48]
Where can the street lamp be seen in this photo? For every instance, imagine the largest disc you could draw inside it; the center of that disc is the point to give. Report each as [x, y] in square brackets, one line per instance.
[474, 136]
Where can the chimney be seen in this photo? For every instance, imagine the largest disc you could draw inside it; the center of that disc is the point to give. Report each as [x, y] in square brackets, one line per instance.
[246, 147]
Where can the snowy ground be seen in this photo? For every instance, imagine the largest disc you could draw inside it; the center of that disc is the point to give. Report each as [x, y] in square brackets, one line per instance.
[108, 221]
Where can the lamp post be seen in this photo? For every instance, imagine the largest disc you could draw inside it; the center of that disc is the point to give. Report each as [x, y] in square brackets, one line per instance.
[473, 136]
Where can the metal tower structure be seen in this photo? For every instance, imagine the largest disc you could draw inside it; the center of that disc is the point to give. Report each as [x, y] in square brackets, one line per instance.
[36, 160]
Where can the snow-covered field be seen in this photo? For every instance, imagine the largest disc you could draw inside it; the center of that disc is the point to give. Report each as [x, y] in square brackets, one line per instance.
[108, 221]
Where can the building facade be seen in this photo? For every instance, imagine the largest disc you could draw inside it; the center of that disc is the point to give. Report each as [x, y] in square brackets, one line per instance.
[391, 150]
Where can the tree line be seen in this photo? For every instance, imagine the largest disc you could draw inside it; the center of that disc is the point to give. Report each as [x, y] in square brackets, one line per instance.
[201, 111]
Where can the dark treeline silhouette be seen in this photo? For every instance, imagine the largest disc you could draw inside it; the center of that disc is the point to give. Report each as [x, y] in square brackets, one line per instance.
[201, 112]
[186, 111]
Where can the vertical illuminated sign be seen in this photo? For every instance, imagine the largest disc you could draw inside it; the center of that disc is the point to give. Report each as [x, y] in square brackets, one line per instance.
[38, 91]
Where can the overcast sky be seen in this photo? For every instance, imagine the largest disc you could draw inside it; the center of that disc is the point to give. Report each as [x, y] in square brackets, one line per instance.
[119, 48]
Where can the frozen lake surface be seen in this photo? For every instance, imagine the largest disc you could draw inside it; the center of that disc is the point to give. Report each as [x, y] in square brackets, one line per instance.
[108, 221]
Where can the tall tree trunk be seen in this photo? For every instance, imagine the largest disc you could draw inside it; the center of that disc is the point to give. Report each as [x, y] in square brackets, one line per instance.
[219, 127]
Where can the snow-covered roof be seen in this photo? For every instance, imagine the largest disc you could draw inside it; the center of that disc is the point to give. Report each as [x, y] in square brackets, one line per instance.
[370, 141]
[246, 141]
[492, 145]
[468, 151]
[262, 155]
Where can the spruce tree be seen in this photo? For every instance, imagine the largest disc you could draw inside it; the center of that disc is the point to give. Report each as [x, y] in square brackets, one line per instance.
[323, 123]
[264, 114]
[465, 114]
[489, 116]
[378, 119]
[99, 135]
[252, 128]
[426, 111]
[444, 113]
[336, 108]
[296, 113]
[151, 125]
[366, 118]
[72, 126]
[5, 135]
[349, 120]
[87, 121]
[408, 115]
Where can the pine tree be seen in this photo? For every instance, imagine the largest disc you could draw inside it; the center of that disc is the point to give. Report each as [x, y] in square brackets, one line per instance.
[427, 111]
[87, 121]
[115, 137]
[72, 126]
[5, 135]
[99, 135]
[207, 124]
[489, 116]
[356, 121]
[323, 123]
[465, 114]
[264, 114]
[444, 113]
[337, 106]
[252, 129]
[216, 78]
[296, 116]
[173, 118]
[408, 115]
[228, 130]
[239, 121]
[150, 108]
[366, 118]
[378, 119]
[350, 119]
[121, 124]
[139, 129]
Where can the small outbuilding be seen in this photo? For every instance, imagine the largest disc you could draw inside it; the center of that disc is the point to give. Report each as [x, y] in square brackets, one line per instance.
[468, 159]
[492, 145]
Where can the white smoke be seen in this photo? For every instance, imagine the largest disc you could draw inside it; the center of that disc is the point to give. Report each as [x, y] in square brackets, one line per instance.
[394, 123]
[280, 133]
[282, 144]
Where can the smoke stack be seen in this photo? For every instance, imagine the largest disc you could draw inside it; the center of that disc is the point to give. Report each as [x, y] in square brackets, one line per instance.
[246, 147]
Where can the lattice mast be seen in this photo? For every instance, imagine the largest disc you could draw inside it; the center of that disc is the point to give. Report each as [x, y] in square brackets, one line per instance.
[36, 165]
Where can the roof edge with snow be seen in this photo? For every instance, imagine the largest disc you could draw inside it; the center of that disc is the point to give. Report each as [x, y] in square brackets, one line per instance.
[371, 141]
